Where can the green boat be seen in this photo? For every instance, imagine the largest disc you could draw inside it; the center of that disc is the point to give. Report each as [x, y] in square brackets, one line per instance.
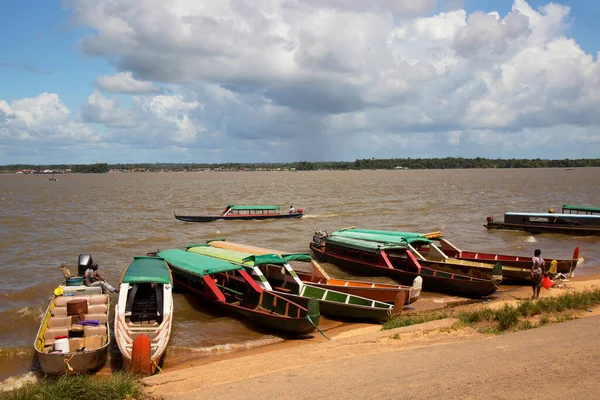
[229, 287]
[274, 273]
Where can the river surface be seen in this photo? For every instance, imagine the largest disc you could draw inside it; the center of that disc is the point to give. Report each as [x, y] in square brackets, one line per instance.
[116, 216]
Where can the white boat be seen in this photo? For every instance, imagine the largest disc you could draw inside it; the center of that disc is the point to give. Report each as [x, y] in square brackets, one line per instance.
[144, 314]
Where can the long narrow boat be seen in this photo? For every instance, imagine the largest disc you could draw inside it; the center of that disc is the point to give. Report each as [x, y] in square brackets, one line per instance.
[434, 258]
[234, 212]
[516, 269]
[398, 262]
[572, 224]
[228, 287]
[385, 292]
[144, 314]
[274, 273]
[76, 343]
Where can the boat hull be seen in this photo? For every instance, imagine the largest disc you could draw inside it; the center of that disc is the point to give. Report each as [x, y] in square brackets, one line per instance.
[385, 295]
[73, 362]
[261, 318]
[545, 228]
[212, 218]
[342, 311]
[437, 281]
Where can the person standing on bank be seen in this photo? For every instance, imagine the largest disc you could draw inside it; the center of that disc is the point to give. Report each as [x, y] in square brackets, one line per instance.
[537, 272]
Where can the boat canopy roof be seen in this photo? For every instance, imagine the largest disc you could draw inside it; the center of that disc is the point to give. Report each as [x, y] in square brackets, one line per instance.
[195, 263]
[554, 215]
[247, 259]
[383, 237]
[250, 208]
[432, 235]
[147, 270]
[581, 208]
[364, 245]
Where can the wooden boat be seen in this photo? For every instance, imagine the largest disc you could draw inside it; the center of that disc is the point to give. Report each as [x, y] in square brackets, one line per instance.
[76, 343]
[433, 258]
[228, 287]
[572, 224]
[514, 268]
[144, 314]
[317, 276]
[233, 212]
[274, 273]
[397, 261]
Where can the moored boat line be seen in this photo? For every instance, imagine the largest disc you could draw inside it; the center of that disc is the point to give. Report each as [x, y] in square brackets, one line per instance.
[274, 273]
[318, 277]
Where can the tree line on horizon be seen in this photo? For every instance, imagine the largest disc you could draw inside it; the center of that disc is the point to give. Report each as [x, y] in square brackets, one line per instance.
[359, 164]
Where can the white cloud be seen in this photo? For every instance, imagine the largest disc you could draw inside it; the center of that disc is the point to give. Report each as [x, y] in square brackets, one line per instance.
[123, 82]
[351, 75]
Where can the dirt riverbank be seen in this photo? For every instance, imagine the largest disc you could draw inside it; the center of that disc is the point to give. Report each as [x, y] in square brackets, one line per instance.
[188, 379]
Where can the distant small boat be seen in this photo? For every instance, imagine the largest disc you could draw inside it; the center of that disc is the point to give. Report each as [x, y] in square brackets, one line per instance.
[144, 314]
[234, 212]
[74, 334]
[228, 287]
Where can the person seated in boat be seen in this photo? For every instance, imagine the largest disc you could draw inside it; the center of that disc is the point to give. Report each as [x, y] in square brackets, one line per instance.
[292, 210]
[93, 278]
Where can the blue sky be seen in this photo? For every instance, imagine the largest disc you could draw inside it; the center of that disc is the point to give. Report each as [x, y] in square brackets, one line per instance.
[323, 80]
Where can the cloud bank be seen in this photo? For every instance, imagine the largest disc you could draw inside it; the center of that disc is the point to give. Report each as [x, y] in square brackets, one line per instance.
[287, 80]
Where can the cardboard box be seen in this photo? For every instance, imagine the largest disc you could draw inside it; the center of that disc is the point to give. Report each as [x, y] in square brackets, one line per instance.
[59, 322]
[93, 342]
[76, 343]
[94, 330]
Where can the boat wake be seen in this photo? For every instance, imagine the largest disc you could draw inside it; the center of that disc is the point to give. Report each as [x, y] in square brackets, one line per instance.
[309, 216]
[530, 239]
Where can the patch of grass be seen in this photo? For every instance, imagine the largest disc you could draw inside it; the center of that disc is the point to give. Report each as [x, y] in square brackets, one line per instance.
[544, 320]
[115, 386]
[507, 317]
[398, 321]
[524, 325]
[396, 336]
[471, 317]
[564, 317]
[528, 308]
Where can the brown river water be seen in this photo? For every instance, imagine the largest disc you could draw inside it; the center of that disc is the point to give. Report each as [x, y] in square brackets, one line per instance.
[116, 216]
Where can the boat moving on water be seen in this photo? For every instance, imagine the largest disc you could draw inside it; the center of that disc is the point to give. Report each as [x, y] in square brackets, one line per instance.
[74, 334]
[233, 212]
[229, 288]
[144, 314]
[385, 292]
[367, 254]
[274, 273]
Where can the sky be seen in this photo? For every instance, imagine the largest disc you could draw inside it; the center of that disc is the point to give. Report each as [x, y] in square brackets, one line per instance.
[188, 81]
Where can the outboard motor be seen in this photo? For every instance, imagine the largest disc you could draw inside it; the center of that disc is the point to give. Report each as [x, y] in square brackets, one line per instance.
[85, 261]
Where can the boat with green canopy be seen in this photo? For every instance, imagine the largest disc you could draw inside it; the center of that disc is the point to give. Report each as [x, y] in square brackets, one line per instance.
[273, 272]
[230, 288]
[317, 276]
[237, 212]
[516, 269]
[432, 257]
[144, 314]
[394, 255]
[570, 209]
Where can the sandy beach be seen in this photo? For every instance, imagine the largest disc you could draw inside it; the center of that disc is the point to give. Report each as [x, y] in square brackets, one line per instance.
[352, 345]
